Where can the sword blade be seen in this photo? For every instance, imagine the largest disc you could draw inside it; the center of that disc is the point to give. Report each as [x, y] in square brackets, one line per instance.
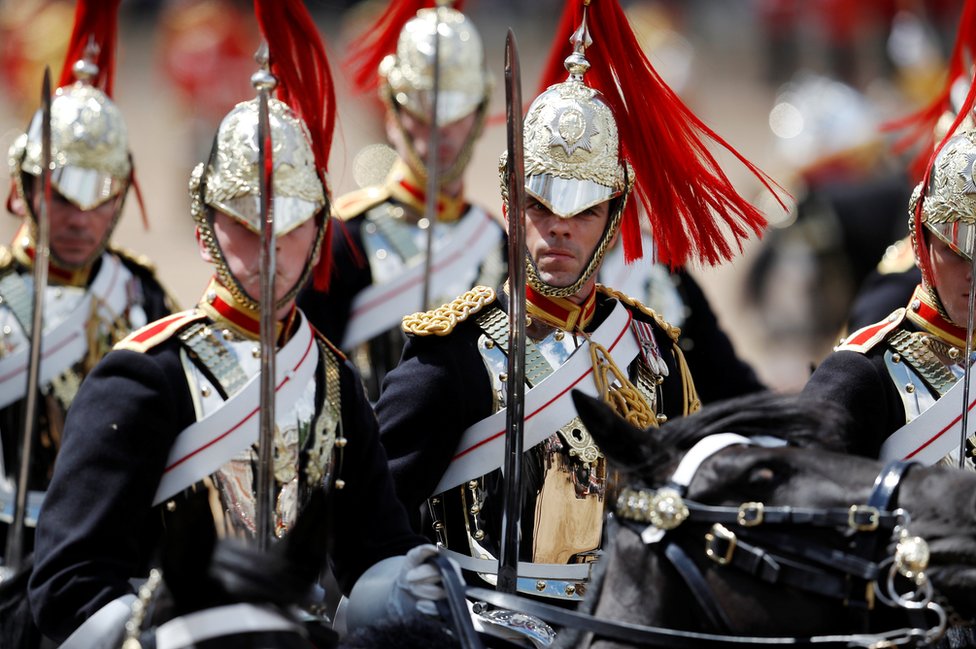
[433, 170]
[515, 417]
[268, 321]
[15, 540]
[968, 360]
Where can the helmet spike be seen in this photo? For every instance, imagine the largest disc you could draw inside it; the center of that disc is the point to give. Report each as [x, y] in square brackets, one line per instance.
[91, 49]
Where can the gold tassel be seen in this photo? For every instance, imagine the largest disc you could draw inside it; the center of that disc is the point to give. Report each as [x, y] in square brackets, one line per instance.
[625, 400]
[690, 394]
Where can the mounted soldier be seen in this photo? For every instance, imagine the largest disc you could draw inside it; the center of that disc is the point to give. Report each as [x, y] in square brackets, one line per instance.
[901, 379]
[435, 110]
[173, 407]
[95, 293]
[587, 150]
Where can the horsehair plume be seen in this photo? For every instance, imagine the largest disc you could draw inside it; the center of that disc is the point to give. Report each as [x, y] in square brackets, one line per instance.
[95, 21]
[679, 184]
[298, 61]
[921, 124]
[380, 40]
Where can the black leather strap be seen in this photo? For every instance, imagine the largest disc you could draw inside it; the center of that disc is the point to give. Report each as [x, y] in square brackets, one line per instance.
[696, 583]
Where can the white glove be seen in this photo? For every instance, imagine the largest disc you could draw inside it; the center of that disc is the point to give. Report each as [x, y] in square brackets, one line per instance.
[397, 588]
[418, 586]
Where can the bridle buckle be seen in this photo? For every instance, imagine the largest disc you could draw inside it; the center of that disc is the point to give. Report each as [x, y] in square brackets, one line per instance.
[750, 514]
[720, 544]
[863, 518]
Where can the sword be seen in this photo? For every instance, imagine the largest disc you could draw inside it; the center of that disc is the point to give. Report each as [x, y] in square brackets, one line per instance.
[15, 540]
[515, 386]
[263, 81]
[433, 173]
[969, 354]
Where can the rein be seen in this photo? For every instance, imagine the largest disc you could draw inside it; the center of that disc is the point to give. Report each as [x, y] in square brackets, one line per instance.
[741, 538]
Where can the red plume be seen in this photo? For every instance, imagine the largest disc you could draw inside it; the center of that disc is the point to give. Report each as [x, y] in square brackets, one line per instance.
[380, 40]
[299, 63]
[686, 195]
[921, 124]
[95, 20]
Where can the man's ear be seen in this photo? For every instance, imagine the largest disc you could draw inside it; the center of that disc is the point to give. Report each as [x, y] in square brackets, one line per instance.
[204, 250]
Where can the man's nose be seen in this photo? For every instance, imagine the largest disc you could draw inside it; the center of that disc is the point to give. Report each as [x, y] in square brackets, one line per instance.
[559, 226]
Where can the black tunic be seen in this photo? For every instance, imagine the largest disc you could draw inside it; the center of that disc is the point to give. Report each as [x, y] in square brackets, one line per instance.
[98, 528]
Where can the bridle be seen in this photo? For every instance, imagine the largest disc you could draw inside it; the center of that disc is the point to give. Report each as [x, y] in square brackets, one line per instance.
[768, 543]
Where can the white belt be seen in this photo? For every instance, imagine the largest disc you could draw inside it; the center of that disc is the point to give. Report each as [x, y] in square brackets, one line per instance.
[548, 406]
[195, 628]
[206, 445]
[933, 434]
[560, 571]
[381, 307]
[66, 343]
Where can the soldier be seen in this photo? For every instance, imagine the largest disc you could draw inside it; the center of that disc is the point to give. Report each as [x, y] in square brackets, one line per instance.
[441, 413]
[889, 373]
[97, 293]
[172, 407]
[383, 255]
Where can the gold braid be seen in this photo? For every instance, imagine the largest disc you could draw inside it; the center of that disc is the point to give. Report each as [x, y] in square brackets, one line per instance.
[625, 400]
[442, 320]
[672, 331]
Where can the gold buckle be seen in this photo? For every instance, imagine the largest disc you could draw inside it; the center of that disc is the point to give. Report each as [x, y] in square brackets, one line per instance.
[720, 533]
[750, 514]
[873, 518]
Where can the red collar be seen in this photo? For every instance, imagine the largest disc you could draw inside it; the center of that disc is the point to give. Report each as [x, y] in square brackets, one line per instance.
[223, 309]
[560, 312]
[406, 187]
[924, 313]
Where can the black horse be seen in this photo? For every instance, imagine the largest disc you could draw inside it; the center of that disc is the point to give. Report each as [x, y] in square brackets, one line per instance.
[763, 540]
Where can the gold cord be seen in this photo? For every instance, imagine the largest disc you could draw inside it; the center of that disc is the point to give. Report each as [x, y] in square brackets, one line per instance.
[625, 399]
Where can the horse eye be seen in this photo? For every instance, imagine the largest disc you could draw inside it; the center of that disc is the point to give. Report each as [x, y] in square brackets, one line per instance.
[761, 475]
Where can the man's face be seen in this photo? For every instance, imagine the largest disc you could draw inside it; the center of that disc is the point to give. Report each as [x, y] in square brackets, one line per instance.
[561, 248]
[76, 234]
[242, 252]
[951, 274]
[451, 138]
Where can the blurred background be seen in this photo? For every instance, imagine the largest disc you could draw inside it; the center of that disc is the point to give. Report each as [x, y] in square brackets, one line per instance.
[797, 86]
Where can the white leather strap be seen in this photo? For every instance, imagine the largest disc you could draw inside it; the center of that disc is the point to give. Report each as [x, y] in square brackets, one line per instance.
[933, 434]
[548, 405]
[194, 628]
[381, 307]
[206, 445]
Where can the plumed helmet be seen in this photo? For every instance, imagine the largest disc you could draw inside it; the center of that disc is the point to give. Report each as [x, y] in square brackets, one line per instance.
[233, 174]
[408, 74]
[301, 119]
[91, 163]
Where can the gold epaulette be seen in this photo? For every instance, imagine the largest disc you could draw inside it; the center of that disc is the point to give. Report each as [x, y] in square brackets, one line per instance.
[442, 320]
[6, 259]
[865, 338]
[898, 258]
[673, 332]
[154, 333]
[355, 203]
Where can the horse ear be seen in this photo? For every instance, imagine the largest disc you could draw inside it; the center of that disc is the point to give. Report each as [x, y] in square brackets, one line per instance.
[628, 447]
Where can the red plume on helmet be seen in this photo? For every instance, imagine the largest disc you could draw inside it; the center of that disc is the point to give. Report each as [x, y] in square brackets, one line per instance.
[678, 182]
[95, 21]
[364, 58]
[922, 123]
[299, 63]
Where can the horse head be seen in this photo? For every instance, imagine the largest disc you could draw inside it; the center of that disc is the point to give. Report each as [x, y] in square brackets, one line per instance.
[772, 567]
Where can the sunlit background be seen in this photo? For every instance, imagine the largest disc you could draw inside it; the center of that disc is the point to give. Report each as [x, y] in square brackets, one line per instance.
[797, 86]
